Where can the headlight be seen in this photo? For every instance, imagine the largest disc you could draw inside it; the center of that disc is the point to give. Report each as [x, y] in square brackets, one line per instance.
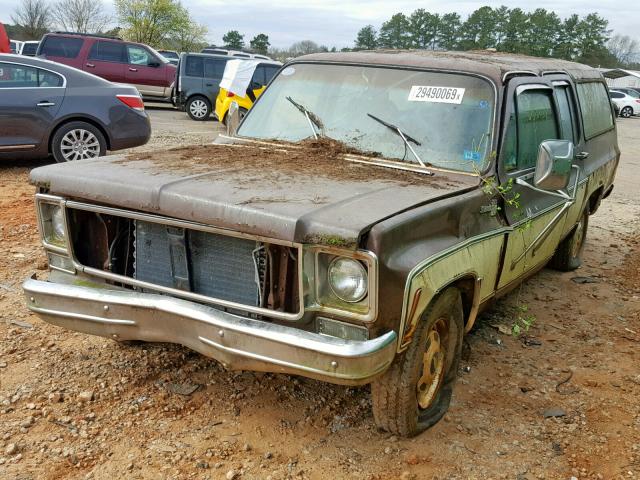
[52, 217]
[348, 279]
[57, 223]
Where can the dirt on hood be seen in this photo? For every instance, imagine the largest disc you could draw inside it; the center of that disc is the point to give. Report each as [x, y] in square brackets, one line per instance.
[324, 156]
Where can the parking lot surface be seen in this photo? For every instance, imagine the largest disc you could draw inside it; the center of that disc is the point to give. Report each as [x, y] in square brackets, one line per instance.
[561, 401]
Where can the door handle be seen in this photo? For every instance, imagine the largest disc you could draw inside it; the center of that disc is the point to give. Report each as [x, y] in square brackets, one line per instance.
[209, 84]
[133, 69]
[582, 155]
[45, 104]
[91, 65]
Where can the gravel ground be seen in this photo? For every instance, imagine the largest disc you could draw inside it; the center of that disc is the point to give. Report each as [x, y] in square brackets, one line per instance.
[74, 406]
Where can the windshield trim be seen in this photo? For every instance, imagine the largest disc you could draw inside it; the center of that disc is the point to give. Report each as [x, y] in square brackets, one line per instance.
[494, 120]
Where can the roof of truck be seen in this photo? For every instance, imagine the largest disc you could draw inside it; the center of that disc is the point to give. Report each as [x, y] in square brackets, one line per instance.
[485, 62]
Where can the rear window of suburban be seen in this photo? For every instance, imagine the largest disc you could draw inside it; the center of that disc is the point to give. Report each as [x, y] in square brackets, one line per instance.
[61, 47]
[596, 108]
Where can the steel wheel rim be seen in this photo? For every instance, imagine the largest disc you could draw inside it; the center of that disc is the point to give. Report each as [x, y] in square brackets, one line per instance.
[576, 244]
[79, 144]
[433, 361]
[198, 108]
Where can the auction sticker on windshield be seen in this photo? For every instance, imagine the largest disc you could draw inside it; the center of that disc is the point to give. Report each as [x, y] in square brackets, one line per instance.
[420, 93]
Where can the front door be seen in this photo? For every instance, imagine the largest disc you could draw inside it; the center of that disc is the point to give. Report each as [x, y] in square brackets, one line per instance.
[145, 71]
[29, 101]
[536, 111]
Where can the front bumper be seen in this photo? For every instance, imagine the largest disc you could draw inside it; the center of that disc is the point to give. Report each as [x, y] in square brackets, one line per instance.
[237, 342]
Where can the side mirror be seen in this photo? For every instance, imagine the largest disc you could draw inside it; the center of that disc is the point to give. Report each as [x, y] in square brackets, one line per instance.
[233, 119]
[553, 167]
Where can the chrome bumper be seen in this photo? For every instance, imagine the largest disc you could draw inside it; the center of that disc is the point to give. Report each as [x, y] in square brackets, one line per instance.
[238, 343]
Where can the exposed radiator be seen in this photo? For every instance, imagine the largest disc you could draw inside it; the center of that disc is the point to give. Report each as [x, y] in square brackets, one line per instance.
[218, 266]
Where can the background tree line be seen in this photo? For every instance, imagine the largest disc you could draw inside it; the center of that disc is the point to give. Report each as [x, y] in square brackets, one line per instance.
[540, 33]
[167, 24]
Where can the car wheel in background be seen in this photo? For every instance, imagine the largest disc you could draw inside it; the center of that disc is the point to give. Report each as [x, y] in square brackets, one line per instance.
[242, 112]
[198, 108]
[626, 112]
[78, 141]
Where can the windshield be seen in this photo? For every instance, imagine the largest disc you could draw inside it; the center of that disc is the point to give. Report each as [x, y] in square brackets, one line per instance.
[448, 115]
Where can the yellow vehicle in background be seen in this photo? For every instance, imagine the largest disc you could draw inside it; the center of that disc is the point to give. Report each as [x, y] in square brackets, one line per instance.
[262, 75]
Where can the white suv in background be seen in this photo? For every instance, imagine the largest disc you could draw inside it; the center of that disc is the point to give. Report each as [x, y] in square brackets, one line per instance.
[627, 105]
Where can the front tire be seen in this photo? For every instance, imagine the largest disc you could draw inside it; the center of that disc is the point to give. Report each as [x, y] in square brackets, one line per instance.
[78, 141]
[568, 256]
[198, 108]
[415, 392]
[626, 112]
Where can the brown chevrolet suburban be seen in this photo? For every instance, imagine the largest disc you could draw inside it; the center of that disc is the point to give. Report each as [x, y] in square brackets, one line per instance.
[368, 207]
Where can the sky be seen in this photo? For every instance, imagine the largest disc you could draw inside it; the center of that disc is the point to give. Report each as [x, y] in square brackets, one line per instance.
[336, 22]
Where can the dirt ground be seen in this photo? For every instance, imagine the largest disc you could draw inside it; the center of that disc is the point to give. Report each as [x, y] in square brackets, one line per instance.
[74, 406]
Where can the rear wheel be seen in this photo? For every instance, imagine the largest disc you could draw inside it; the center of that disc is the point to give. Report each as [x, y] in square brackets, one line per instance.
[242, 112]
[78, 141]
[199, 108]
[568, 256]
[415, 392]
[626, 112]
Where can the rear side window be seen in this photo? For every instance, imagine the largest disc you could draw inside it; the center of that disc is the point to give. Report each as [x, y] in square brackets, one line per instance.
[270, 72]
[616, 95]
[30, 49]
[61, 47]
[21, 76]
[596, 108]
[258, 76]
[214, 68]
[194, 67]
[533, 123]
[107, 52]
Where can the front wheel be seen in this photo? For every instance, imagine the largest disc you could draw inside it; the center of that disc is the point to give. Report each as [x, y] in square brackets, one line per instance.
[78, 141]
[626, 112]
[568, 256]
[415, 392]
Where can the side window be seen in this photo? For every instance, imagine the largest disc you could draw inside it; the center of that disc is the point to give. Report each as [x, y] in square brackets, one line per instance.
[270, 72]
[107, 52]
[61, 47]
[214, 68]
[258, 77]
[566, 113]
[194, 67]
[616, 95]
[140, 56]
[533, 122]
[18, 76]
[595, 107]
[49, 79]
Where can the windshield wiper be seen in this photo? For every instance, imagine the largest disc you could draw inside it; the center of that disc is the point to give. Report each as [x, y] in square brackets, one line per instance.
[406, 138]
[312, 118]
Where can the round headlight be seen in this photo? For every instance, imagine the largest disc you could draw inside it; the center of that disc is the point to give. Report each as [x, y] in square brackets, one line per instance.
[57, 223]
[348, 279]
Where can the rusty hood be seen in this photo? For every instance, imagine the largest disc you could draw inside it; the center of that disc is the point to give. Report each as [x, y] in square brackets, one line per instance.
[312, 193]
